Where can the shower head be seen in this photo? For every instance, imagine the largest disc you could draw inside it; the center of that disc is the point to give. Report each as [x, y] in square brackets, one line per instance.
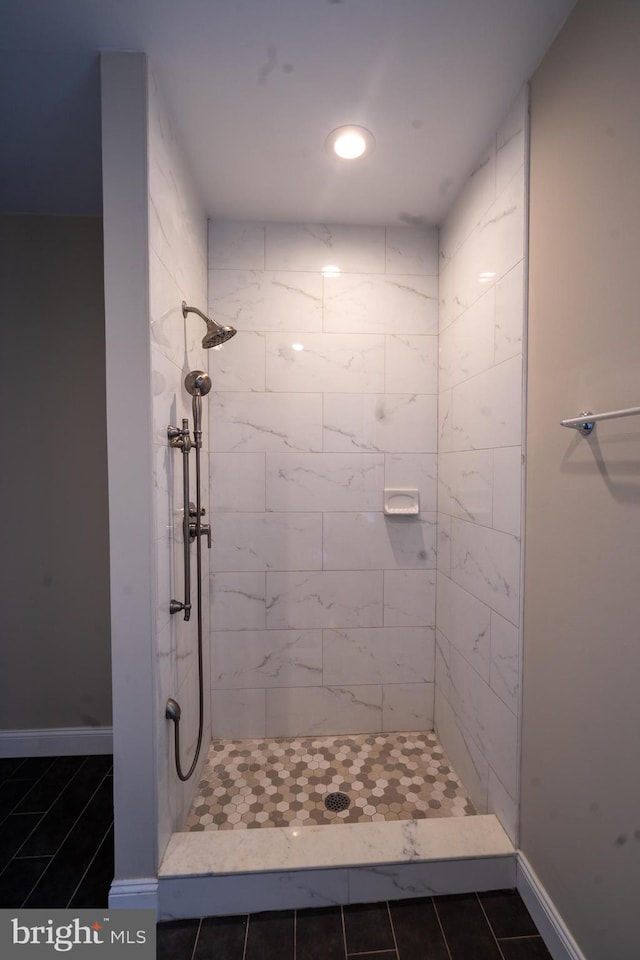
[216, 333]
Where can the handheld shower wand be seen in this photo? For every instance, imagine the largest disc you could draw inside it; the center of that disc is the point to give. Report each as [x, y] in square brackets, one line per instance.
[197, 383]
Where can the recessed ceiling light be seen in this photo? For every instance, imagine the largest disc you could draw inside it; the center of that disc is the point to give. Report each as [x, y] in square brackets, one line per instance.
[350, 142]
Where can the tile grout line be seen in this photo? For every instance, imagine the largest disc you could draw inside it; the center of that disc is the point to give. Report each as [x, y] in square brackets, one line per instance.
[246, 937]
[52, 858]
[98, 848]
[393, 932]
[444, 936]
[484, 913]
[344, 930]
[16, 855]
[195, 942]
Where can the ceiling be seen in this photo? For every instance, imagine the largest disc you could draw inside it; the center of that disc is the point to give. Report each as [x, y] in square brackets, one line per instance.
[253, 87]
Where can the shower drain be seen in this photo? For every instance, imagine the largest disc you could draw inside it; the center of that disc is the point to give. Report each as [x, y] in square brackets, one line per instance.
[337, 801]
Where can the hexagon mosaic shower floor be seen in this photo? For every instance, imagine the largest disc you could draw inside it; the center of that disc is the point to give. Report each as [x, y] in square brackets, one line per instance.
[284, 782]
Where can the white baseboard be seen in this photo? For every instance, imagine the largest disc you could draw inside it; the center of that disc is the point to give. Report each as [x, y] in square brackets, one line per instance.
[59, 742]
[552, 927]
[138, 894]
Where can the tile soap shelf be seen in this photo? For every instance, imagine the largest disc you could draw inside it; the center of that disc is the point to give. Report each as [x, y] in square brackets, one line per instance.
[401, 503]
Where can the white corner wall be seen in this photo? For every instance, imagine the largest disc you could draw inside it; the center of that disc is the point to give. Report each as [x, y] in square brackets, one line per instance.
[322, 607]
[482, 297]
[155, 256]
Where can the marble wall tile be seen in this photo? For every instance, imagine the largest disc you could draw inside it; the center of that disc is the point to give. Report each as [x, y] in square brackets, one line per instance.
[238, 601]
[486, 718]
[510, 310]
[486, 563]
[411, 250]
[324, 599]
[305, 711]
[442, 674]
[266, 300]
[356, 303]
[393, 423]
[467, 345]
[326, 362]
[445, 421]
[235, 244]
[237, 482]
[444, 544]
[364, 541]
[504, 806]
[265, 541]
[497, 420]
[409, 598]
[266, 422]
[507, 489]
[446, 312]
[466, 623]
[324, 481]
[465, 485]
[386, 654]
[414, 470]
[239, 364]
[475, 198]
[505, 673]
[411, 364]
[493, 249]
[467, 757]
[511, 142]
[312, 246]
[407, 706]
[267, 658]
[238, 714]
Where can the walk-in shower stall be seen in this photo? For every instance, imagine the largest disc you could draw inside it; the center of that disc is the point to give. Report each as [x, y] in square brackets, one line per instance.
[339, 721]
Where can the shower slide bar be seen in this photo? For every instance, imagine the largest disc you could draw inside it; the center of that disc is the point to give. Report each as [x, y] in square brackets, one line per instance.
[587, 420]
[181, 438]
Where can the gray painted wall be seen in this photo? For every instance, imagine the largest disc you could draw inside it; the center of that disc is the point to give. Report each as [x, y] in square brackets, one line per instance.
[580, 815]
[55, 666]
